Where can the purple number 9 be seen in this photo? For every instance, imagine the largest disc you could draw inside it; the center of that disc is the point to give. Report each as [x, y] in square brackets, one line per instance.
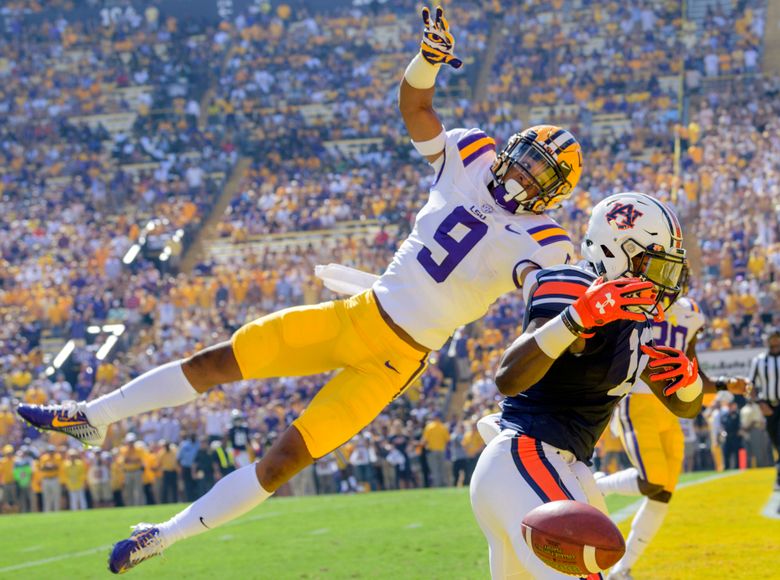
[456, 248]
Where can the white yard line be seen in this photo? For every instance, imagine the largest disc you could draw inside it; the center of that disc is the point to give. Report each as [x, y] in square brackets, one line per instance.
[91, 551]
[624, 513]
[55, 559]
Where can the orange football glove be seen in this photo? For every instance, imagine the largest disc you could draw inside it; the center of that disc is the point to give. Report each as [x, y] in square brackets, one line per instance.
[681, 372]
[605, 302]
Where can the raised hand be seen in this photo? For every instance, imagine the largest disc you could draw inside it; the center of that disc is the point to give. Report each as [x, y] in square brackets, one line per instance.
[437, 46]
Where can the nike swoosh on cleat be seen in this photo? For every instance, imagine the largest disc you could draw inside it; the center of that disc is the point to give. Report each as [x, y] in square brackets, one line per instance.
[56, 422]
[204, 523]
[391, 367]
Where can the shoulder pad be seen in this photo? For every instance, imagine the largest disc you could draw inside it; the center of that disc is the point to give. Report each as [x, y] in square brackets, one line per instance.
[473, 144]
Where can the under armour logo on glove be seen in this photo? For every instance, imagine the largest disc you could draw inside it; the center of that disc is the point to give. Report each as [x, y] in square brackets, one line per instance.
[607, 302]
[438, 44]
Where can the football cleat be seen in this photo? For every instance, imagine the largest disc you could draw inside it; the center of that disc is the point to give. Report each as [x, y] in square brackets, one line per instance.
[69, 418]
[144, 543]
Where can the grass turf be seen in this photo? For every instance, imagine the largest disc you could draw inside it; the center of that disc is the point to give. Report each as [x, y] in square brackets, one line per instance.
[412, 534]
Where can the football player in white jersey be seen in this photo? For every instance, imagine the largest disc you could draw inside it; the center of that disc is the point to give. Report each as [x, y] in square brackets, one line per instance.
[479, 235]
[653, 437]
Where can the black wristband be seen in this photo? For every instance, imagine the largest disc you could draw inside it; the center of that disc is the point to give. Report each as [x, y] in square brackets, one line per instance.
[721, 384]
[574, 327]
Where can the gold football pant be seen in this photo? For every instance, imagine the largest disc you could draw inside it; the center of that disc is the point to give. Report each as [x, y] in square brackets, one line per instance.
[652, 438]
[351, 335]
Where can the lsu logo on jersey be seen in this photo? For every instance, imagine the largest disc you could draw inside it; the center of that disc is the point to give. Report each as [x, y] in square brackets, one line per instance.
[624, 215]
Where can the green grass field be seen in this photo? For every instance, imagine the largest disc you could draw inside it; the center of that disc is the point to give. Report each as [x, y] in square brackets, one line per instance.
[412, 534]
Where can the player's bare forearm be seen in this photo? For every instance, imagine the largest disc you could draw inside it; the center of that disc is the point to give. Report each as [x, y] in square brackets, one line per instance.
[522, 365]
[420, 118]
[672, 402]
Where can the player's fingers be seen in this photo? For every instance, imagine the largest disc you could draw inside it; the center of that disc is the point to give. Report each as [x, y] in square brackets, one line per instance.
[652, 352]
[673, 388]
[634, 286]
[637, 301]
[660, 315]
[439, 14]
[445, 26]
[426, 16]
[667, 375]
[669, 351]
[455, 63]
[628, 315]
[662, 364]
[449, 39]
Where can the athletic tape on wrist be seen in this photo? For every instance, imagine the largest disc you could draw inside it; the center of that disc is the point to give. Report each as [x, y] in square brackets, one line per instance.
[572, 323]
[554, 337]
[689, 393]
[421, 74]
[432, 146]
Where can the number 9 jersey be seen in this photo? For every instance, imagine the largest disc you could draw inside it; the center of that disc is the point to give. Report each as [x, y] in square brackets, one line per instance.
[465, 250]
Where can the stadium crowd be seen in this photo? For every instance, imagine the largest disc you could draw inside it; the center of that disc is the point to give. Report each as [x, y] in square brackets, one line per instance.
[189, 100]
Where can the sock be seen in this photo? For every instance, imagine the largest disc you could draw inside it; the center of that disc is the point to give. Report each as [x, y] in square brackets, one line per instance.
[645, 526]
[231, 497]
[624, 482]
[165, 386]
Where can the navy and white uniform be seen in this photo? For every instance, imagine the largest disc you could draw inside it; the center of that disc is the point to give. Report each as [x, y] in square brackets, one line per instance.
[549, 431]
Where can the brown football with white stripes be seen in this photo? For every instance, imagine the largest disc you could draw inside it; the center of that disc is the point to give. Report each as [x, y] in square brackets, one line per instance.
[573, 537]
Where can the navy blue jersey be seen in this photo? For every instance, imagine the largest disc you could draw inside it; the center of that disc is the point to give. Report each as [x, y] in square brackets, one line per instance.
[572, 404]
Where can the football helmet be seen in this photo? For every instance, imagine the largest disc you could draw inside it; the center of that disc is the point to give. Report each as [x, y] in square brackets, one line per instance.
[537, 170]
[634, 235]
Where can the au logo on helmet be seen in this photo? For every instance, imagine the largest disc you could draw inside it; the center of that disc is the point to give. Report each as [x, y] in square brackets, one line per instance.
[624, 215]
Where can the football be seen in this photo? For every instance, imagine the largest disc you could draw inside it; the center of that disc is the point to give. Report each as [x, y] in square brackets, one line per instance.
[573, 537]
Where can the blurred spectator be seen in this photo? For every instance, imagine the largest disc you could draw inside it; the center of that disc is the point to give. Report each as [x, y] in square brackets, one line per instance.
[50, 466]
[170, 475]
[99, 479]
[133, 467]
[435, 438]
[74, 477]
[732, 441]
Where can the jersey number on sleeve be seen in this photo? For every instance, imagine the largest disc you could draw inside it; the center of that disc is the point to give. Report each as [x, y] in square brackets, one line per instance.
[456, 243]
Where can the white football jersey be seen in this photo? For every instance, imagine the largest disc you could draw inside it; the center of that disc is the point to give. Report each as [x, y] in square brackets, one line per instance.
[683, 321]
[465, 250]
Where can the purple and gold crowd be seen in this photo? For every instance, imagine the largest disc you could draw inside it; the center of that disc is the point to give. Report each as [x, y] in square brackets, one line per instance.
[122, 135]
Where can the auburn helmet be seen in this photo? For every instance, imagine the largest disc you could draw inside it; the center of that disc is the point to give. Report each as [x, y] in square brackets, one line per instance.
[632, 234]
[537, 170]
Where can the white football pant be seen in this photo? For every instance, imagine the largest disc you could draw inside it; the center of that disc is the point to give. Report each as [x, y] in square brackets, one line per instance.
[514, 475]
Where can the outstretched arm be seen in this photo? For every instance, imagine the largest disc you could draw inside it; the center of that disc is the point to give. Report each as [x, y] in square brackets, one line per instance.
[544, 340]
[735, 385]
[415, 97]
